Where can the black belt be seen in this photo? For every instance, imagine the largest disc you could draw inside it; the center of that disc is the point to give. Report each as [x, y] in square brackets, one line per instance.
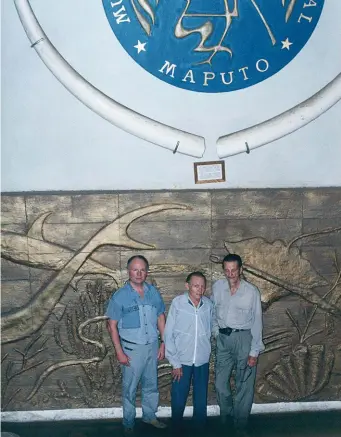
[228, 331]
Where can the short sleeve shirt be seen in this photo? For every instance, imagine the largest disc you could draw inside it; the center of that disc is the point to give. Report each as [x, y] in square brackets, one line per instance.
[136, 316]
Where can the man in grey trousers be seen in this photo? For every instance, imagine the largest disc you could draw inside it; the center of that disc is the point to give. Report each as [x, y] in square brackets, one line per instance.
[237, 326]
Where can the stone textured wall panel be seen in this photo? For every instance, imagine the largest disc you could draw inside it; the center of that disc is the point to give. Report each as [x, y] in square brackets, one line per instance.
[64, 254]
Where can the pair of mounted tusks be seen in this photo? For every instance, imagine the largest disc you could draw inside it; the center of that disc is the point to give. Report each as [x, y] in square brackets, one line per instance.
[160, 134]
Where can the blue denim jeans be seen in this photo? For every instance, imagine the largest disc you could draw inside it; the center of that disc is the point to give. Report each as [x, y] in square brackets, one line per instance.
[180, 390]
[143, 367]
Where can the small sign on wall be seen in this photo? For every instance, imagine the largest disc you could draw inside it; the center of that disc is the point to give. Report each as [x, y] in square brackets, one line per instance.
[208, 172]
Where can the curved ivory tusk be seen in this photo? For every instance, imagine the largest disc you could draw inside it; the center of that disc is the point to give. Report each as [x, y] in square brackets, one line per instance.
[143, 127]
[281, 125]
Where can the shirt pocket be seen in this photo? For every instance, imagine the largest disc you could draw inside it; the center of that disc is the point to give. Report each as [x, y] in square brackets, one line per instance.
[131, 317]
[244, 305]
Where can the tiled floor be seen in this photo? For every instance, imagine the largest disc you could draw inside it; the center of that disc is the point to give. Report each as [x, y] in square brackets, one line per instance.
[284, 425]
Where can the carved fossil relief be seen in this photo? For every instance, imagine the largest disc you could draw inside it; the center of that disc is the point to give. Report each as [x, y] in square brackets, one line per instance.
[303, 370]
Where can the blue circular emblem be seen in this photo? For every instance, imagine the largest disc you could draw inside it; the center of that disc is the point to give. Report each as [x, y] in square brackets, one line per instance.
[213, 46]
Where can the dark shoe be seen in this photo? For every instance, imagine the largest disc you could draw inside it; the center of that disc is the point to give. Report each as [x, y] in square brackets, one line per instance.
[227, 421]
[128, 431]
[200, 430]
[155, 423]
[178, 430]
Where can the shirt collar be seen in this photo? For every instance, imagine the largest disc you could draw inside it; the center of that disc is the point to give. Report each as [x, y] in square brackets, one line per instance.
[146, 287]
[201, 303]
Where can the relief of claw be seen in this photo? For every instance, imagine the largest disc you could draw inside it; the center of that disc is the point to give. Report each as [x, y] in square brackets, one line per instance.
[33, 250]
[27, 319]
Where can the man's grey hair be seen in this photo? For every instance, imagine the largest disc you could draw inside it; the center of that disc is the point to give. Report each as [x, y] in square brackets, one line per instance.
[141, 257]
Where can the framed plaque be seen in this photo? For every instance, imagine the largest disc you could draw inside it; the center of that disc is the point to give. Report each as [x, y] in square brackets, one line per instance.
[209, 172]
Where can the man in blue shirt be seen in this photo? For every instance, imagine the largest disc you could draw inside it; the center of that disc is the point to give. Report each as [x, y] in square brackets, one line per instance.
[188, 348]
[136, 314]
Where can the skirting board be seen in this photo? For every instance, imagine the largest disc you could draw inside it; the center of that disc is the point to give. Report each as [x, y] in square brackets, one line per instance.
[163, 412]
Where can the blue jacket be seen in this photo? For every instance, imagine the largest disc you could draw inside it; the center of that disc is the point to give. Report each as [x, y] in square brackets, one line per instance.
[187, 334]
[137, 317]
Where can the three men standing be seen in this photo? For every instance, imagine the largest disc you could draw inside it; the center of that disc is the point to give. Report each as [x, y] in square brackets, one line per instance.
[237, 327]
[233, 316]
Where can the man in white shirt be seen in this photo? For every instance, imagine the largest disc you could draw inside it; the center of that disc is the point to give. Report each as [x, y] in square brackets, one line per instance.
[237, 326]
[187, 339]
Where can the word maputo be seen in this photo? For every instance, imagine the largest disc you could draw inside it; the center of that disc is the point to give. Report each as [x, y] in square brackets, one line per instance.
[206, 77]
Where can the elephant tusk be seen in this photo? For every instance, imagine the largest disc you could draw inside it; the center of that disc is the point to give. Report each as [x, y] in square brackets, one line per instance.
[119, 115]
[281, 125]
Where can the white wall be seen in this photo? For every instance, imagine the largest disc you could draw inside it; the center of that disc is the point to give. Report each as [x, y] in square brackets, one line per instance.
[50, 141]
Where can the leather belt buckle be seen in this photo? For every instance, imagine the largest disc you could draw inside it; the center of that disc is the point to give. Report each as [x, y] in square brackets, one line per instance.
[226, 331]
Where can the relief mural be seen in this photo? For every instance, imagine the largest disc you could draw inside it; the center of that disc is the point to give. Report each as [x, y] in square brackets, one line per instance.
[58, 276]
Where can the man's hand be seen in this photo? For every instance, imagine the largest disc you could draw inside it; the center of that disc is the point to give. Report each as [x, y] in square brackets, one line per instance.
[161, 353]
[123, 359]
[251, 361]
[177, 374]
